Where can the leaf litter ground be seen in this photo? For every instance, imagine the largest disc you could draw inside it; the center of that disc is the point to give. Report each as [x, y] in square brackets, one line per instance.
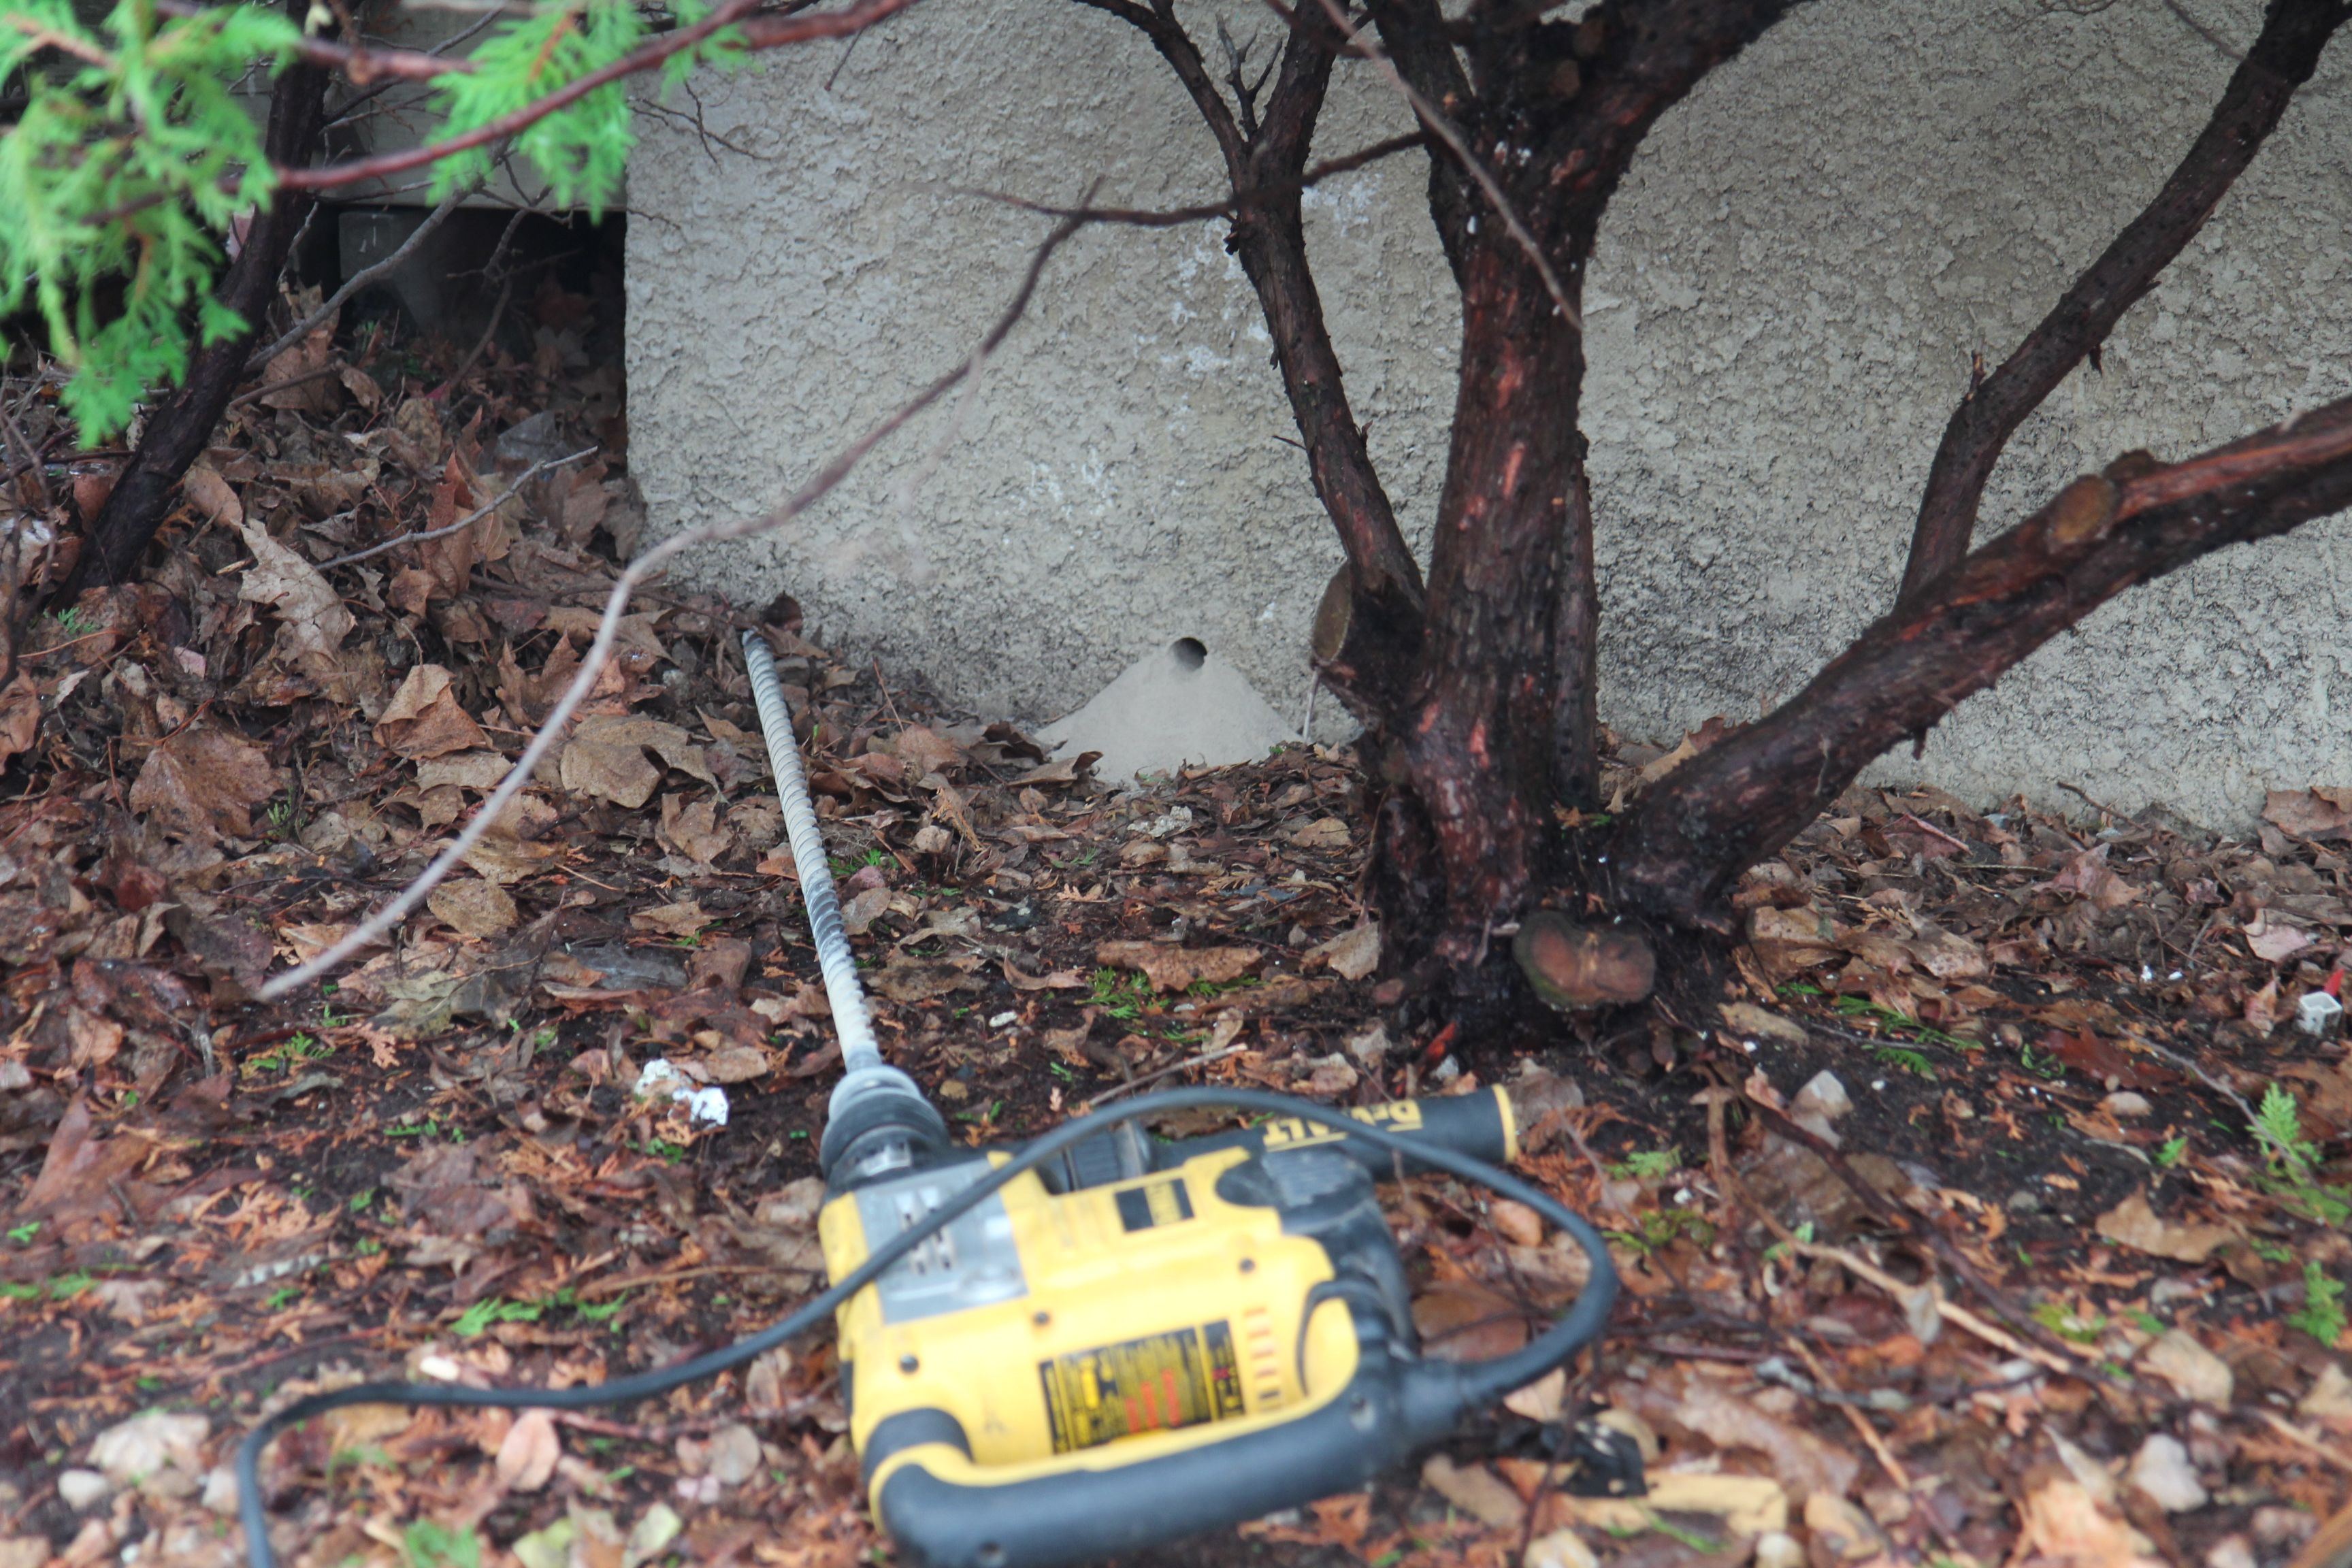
[1998, 1216]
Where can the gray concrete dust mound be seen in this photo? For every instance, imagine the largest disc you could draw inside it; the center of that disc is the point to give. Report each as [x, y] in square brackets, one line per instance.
[1178, 706]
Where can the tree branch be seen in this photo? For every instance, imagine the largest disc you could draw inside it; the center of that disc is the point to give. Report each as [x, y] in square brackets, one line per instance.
[758, 32]
[2293, 34]
[1174, 217]
[1741, 799]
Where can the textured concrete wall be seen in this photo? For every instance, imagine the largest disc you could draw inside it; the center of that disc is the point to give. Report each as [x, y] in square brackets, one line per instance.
[1782, 310]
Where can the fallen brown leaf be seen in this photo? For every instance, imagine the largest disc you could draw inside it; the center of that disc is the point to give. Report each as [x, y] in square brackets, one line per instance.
[423, 719]
[203, 782]
[2133, 1224]
[1173, 968]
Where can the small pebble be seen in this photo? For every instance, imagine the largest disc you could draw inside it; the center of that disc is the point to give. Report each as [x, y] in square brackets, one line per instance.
[2230, 1551]
[2162, 1472]
[2124, 1104]
[82, 1491]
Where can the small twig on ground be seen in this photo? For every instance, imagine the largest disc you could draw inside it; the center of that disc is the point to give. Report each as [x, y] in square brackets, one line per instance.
[498, 314]
[2297, 1435]
[308, 376]
[426, 536]
[1860, 1268]
[2191, 1065]
[1851, 1404]
[363, 278]
[592, 662]
[1203, 1059]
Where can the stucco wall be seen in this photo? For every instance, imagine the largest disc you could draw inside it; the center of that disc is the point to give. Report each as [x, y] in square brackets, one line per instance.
[1781, 314]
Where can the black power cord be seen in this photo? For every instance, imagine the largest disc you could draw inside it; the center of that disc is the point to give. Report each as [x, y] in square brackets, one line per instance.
[1481, 1381]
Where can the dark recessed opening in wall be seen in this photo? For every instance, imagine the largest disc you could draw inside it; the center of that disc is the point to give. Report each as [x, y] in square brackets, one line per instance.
[533, 284]
[1191, 653]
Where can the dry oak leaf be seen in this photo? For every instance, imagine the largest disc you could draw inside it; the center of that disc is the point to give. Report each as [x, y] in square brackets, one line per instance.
[310, 613]
[1323, 833]
[423, 719]
[2133, 1224]
[606, 758]
[2065, 1525]
[1762, 1023]
[926, 751]
[480, 771]
[684, 918]
[473, 907]
[1475, 1490]
[20, 716]
[1788, 941]
[2316, 813]
[210, 494]
[1173, 968]
[905, 979]
[693, 829]
[1352, 954]
[204, 782]
[528, 1454]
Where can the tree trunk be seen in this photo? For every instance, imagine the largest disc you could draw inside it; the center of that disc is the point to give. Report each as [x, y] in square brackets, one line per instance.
[1478, 737]
[178, 431]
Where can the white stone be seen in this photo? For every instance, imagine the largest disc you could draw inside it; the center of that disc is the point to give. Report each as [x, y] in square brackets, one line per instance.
[2330, 1399]
[1561, 1549]
[2190, 1367]
[1178, 706]
[2125, 1103]
[82, 1490]
[2162, 1472]
[2231, 1552]
[1778, 1548]
[156, 1450]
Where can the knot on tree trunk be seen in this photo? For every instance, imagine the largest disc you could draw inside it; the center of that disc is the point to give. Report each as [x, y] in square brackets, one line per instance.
[1571, 965]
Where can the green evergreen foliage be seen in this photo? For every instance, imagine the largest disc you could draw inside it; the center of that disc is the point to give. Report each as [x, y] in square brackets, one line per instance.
[128, 164]
[133, 156]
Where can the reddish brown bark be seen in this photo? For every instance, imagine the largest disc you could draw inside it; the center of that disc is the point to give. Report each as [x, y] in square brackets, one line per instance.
[2282, 59]
[177, 431]
[1576, 730]
[1500, 725]
[1752, 792]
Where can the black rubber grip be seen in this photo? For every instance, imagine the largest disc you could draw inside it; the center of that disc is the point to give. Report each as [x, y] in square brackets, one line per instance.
[1082, 1514]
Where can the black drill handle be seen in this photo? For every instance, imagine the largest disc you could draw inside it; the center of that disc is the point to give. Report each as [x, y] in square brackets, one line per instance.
[1480, 1125]
[961, 1519]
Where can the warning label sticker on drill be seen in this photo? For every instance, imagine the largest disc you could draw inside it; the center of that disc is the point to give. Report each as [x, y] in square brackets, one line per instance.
[1154, 1203]
[1156, 1383]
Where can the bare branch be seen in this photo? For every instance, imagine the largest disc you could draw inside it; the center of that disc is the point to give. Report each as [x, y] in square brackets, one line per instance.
[1173, 217]
[758, 32]
[427, 535]
[363, 278]
[358, 64]
[2293, 34]
[592, 663]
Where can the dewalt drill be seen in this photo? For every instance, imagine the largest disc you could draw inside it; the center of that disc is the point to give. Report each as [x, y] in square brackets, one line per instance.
[1134, 1339]
[1096, 1341]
